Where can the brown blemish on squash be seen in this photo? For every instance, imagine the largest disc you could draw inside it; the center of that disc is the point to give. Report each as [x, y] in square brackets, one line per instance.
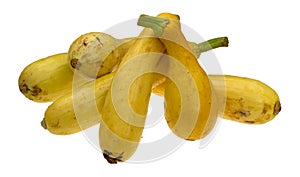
[75, 63]
[266, 108]
[112, 160]
[245, 113]
[24, 88]
[85, 43]
[43, 124]
[277, 108]
[99, 41]
[34, 91]
[249, 121]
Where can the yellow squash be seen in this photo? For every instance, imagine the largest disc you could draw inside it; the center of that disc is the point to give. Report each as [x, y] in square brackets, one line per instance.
[46, 79]
[72, 113]
[190, 105]
[126, 104]
[246, 100]
[95, 54]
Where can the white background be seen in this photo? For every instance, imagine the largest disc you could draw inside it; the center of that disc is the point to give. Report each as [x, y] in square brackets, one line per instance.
[264, 44]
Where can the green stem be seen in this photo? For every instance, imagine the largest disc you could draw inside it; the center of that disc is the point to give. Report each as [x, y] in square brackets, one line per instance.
[213, 43]
[155, 23]
[158, 24]
[208, 45]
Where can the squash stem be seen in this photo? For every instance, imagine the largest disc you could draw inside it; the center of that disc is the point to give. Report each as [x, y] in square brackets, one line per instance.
[208, 45]
[213, 43]
[155, 23]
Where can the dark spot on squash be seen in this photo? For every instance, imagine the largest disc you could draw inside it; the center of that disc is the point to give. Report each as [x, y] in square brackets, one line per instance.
[277, 108]
[112, 160]
[249, 121]
[24, 88]
[266, 108]
[75, 63]
[99, 41]
[243, 113]
[43, 124]
[35, 91]
[85, 43]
